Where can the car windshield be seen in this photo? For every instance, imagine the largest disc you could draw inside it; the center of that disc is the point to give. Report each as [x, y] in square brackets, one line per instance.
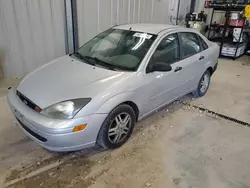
[117, 49]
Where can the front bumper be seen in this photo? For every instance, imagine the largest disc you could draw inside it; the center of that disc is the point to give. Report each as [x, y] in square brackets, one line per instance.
[54, 134]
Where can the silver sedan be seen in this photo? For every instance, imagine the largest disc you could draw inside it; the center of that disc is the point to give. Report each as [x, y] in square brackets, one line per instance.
[97, 94]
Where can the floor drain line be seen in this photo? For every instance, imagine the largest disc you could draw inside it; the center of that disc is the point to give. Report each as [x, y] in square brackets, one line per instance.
[218, 114]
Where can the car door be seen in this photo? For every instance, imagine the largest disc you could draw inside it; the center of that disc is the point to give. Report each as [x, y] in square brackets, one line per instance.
[205, 56]
[159, 87]
[191, 63]
[182, 51]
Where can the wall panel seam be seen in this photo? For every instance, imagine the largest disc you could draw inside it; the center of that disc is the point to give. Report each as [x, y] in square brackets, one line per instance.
[21, 46]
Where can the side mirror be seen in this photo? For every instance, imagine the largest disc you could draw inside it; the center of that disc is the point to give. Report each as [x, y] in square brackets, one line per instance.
[161, 67]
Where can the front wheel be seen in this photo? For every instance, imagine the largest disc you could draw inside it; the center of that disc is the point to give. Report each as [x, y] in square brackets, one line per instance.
[203, 85]
[117, 127]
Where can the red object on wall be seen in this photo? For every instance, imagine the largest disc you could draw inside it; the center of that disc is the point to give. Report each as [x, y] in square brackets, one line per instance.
[237, 23]
[207, 4]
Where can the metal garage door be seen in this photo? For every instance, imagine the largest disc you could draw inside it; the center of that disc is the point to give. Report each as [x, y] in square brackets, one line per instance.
[32, 32]
[95, 16]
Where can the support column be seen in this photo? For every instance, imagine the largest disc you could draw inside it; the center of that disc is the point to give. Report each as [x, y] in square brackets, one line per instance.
[71, 26]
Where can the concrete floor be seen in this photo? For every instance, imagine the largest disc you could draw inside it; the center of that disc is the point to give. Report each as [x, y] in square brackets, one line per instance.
[178, 147]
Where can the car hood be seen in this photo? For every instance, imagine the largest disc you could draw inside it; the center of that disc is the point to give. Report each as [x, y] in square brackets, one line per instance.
[66, 78]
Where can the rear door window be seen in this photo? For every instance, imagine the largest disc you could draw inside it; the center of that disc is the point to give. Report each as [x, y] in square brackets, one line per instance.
[190, 44]
[203, 44]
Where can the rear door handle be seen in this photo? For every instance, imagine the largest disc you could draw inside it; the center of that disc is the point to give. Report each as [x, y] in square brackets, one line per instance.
[178, 69]
[202, 57]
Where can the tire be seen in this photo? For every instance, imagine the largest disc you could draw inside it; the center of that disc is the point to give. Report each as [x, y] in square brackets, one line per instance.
[201, 91]
[111, 125]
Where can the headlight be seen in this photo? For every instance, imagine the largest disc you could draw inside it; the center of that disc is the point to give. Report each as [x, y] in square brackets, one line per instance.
[66, 109]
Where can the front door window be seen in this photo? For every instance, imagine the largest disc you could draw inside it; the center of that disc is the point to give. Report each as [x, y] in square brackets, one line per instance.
[168, 51]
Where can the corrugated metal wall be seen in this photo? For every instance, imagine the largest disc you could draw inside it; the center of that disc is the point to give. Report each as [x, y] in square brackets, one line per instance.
[32, 32]
[95, 16]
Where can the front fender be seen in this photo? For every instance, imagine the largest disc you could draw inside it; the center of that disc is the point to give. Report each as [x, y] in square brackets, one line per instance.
[114, 101]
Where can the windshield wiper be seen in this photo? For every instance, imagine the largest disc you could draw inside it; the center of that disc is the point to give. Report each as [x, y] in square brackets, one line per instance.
[80, 56]
[100, 62]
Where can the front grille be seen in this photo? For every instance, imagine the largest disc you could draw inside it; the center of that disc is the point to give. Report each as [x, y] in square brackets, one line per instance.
[26, 101]
[37, 136]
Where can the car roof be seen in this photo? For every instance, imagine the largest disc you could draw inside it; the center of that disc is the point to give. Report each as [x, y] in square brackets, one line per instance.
[147, 28]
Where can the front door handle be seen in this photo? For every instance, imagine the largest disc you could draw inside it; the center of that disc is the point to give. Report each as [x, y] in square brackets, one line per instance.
[202, 57]
[178, 69]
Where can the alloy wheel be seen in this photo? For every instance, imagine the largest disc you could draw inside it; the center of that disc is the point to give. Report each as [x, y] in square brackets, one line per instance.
[119, 128]
[204, 83]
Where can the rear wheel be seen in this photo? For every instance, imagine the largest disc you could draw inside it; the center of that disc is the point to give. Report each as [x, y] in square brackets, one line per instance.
[117, 127]
[203, 85]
